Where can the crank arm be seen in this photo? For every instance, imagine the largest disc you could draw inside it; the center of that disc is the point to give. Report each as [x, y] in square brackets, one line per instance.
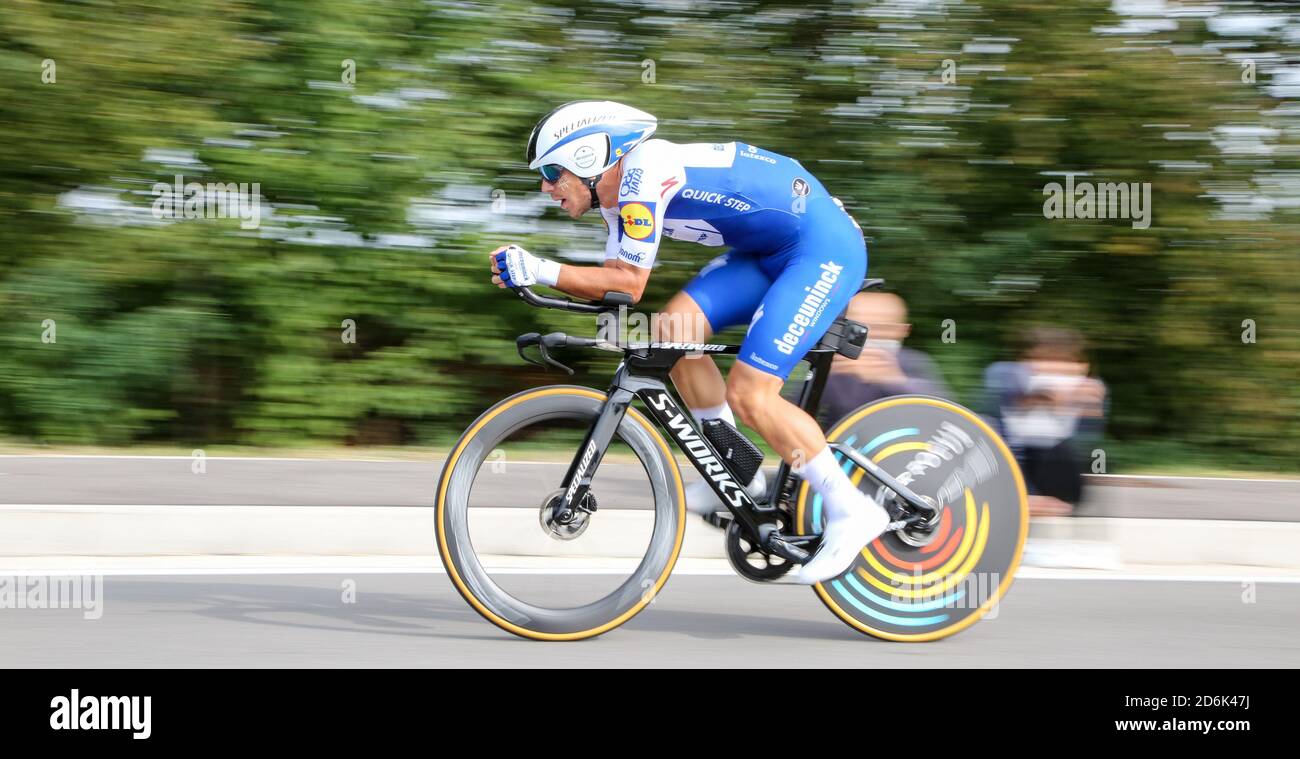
[886, 479]
[785, 548]
[908, 521]
[801, 540]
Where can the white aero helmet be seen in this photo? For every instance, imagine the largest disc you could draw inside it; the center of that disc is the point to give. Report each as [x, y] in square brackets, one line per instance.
[587, 137]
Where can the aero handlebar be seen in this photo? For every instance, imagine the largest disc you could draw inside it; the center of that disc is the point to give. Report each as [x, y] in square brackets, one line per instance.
[611, 301]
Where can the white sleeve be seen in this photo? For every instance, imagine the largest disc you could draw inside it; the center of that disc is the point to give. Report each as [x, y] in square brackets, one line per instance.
[610, 215]
[652, 174]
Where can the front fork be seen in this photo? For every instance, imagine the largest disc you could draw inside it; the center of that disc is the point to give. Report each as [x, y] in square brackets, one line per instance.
[577, 481]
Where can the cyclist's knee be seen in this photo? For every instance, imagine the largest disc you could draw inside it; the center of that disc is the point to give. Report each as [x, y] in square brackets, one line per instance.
[681, 321]
[752, 394]
[743, 403]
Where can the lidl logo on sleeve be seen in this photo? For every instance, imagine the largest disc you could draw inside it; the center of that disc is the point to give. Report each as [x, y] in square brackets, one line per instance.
[638, 220]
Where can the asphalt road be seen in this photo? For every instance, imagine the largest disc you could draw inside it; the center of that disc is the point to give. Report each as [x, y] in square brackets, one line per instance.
[326, 482]
[418, 620]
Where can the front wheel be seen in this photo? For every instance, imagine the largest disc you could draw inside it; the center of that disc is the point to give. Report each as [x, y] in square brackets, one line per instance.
[925, 585]
[496, 534]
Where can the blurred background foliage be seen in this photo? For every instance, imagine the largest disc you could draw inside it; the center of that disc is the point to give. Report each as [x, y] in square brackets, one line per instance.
[380, 197]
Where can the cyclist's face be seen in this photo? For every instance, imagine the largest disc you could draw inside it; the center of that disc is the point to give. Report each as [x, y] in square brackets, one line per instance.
[572, 193]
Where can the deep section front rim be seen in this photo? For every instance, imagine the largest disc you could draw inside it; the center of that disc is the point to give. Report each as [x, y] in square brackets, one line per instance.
[473, 581]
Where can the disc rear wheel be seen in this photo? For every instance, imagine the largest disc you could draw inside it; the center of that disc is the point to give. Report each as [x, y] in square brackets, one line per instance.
[929, 583]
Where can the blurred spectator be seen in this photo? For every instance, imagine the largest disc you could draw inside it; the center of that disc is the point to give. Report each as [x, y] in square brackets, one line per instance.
[885, 367]
[1051, 414]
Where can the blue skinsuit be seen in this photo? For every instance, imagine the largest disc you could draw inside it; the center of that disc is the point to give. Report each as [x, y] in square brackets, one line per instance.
[795, 259]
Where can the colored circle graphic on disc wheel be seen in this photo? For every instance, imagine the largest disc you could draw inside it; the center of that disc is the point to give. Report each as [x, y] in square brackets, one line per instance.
[943, 451]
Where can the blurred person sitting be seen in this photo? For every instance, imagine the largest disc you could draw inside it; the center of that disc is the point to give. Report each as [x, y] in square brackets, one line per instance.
[1051, 413]
[885, 367]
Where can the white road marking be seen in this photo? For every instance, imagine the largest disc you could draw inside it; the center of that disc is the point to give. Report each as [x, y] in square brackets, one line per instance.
[1190, 477]
[440, 456]
[1024, 574]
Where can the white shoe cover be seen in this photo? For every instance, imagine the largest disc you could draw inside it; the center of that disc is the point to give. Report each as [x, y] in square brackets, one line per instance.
[842, 541]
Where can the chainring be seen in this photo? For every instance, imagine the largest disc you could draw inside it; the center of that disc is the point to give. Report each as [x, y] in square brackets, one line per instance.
[749, 561]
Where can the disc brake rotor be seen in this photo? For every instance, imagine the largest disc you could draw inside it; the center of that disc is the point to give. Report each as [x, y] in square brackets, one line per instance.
[570, 529]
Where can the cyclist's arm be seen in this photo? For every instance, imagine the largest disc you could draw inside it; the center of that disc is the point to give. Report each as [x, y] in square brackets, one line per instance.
[592, 282]
[615, 275]
[634, 227]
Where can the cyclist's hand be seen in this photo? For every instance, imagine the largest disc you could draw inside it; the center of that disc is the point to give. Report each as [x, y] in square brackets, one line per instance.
[515, 267]
[496, 270]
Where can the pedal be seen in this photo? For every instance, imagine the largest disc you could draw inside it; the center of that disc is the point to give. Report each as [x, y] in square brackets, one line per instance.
[788, 551]
[718, 519]
[894, 507]
[911, 520]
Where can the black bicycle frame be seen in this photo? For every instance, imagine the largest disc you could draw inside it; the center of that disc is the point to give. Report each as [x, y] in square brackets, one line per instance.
[644, 374]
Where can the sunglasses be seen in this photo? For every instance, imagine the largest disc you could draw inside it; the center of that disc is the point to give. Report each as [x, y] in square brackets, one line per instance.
[551, 172]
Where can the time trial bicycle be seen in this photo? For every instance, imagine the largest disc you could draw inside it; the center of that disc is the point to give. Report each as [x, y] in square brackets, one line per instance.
[950, 484]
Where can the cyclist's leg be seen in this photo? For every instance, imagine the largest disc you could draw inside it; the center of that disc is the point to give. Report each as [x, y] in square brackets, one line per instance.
[811, 291]
[725, 293]
[696, 377]
[819, 275]
[755, 396]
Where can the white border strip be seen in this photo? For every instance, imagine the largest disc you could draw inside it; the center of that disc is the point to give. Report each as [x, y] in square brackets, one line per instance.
[438, 457]
[1187, 477]
[1028, 573]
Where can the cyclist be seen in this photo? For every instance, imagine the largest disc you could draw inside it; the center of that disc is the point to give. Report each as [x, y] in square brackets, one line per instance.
[795, 259]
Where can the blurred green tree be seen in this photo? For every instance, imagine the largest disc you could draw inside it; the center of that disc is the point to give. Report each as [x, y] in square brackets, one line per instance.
[386, 141]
